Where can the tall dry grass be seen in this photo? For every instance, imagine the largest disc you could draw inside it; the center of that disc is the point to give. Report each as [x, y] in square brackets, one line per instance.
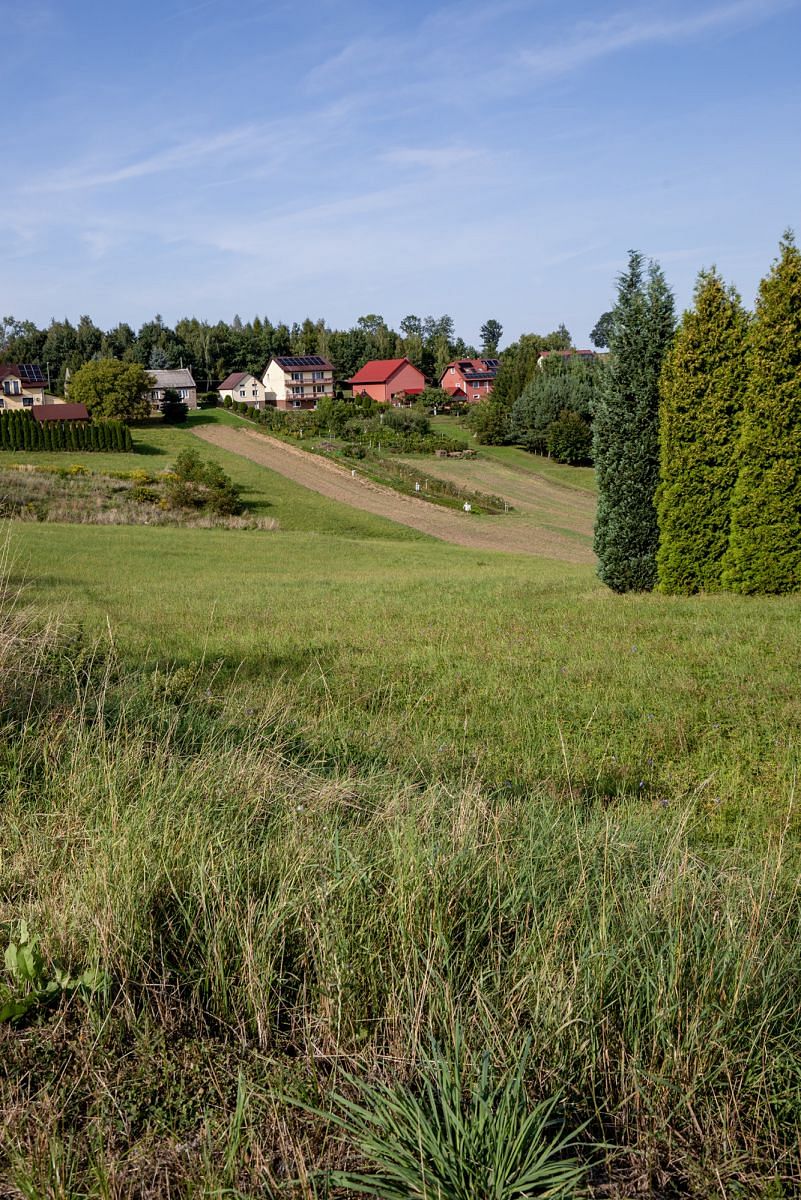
[269, 923]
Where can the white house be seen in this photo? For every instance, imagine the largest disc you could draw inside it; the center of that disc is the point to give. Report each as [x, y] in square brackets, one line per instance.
[243, 388]
[298, 382]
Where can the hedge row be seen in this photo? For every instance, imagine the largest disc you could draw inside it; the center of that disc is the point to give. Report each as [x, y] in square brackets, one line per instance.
[19, 431]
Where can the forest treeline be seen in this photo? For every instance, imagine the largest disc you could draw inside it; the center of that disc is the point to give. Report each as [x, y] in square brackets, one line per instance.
[214, 351]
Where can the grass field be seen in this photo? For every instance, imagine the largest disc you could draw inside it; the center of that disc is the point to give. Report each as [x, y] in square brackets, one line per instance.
[326, 793]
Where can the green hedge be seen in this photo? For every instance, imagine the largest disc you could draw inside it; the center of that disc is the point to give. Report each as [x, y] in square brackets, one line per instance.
[19, 431]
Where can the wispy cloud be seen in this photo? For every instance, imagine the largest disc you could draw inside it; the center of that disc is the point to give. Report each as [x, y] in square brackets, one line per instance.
[627, 30]
[178, 157]
[440, 158]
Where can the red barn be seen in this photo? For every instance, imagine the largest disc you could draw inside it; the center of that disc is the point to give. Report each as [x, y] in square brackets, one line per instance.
[386, 378]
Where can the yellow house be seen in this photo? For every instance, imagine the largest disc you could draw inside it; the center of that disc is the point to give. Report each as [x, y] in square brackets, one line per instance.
[21, 385]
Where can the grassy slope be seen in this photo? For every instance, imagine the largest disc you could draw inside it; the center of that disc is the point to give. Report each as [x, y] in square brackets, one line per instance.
[428, 654]
[604, 853]
[515, 458]
[266, 493]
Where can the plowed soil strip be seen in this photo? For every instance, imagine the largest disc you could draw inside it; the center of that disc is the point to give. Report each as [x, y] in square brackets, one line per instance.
[463, 529]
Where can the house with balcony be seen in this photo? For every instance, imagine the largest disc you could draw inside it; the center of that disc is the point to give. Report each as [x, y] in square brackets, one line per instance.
[243, 388]
[388, 380]
[470, 379]
[180, 380]
[297, 381]
[21, 385]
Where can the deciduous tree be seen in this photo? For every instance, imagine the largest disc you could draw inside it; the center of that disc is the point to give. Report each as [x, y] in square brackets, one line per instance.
[112, 389]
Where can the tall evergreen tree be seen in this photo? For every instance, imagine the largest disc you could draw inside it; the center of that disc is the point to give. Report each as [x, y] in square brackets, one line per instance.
[764, 553]
[702, 387]
[626, 429]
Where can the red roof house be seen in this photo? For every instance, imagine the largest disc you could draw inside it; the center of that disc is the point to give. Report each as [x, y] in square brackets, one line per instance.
[386, 378]
[470, 378]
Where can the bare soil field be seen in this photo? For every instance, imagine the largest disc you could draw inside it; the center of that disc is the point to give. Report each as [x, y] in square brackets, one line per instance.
[527, 531]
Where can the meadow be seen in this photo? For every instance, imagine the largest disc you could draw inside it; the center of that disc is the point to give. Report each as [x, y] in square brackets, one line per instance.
[314, 799]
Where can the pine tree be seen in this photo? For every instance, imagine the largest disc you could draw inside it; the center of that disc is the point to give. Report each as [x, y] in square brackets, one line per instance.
[764, 553]
[702, 386]
[626, 429]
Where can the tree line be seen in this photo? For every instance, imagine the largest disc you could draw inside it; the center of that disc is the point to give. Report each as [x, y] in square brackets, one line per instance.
[697, 435]
[214, 351]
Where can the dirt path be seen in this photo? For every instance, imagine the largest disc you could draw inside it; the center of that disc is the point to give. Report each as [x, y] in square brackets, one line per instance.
[464, 529]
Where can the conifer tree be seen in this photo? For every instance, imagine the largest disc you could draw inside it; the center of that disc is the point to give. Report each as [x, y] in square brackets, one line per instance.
[626, 429]
[764, 553]
[702, 387]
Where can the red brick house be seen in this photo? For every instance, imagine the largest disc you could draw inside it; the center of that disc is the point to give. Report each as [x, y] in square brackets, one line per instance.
[387, 379]
[470, 379]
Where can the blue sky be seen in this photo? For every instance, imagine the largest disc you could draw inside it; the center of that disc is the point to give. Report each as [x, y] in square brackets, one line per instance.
[332, 159]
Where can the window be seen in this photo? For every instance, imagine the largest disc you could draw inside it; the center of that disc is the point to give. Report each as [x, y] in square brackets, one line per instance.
[453, 370]
[296, 403]
[11, 387]
[297, 374]
[319, 388]
[27, 401]
[318, 375]
[242, 392]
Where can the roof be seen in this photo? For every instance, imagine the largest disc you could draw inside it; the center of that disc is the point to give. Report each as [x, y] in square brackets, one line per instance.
[475, 369]
[60, 412]
[177, 377]
[380, 370]
[300, 362]
[27, 373]
[233, 381]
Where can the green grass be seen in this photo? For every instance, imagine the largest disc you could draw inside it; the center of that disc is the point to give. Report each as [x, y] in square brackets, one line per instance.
[266, 493]
[515, 458]
[449, 662]
[329, 796]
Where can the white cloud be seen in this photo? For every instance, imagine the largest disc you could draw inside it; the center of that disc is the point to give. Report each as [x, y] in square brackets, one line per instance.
[626, 30]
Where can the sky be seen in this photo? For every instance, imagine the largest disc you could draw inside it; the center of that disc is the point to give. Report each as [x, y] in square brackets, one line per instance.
[293, 159]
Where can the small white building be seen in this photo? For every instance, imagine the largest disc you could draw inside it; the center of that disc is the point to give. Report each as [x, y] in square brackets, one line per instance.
[243, 388]
[299, 381]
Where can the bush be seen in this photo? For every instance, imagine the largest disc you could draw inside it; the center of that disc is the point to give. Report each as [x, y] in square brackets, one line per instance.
[196, 484]
[209, 400]
[569, 439]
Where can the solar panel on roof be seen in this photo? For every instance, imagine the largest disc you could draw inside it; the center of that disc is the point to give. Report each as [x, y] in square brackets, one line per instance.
[31, 374]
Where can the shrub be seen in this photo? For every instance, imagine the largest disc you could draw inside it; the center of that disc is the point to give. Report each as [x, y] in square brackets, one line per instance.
[196, 484]
[569, 439]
